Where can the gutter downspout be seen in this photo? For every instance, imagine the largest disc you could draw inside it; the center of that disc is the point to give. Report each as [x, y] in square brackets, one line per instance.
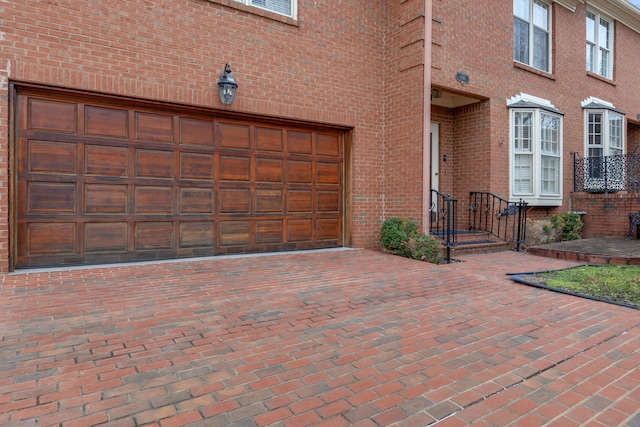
[426, 117]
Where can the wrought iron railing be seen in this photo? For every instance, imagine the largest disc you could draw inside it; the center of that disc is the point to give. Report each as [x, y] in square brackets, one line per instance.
[499, 217]
[606, 174]
[443, 219]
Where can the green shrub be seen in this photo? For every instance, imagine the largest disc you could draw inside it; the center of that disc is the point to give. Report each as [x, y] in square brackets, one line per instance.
[401, 237]
[569, 225]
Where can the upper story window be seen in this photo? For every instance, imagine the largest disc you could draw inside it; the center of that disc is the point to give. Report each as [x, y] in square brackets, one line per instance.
[532, 33]
[283, 7]
[535, 151]
[599, 45]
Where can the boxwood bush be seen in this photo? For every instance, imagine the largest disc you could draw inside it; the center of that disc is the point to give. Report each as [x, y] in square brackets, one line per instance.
[402, 237]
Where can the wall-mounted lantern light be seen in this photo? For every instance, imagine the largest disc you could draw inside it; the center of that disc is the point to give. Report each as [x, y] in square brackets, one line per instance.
[227, 87]
[462, 77]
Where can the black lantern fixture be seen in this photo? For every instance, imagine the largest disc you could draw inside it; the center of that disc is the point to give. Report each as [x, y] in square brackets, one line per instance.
[227, 87]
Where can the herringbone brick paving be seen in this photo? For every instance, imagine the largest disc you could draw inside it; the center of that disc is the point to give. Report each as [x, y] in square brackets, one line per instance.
[328, 338]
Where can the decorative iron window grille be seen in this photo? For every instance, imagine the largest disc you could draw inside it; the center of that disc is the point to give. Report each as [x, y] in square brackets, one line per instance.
[606, 174]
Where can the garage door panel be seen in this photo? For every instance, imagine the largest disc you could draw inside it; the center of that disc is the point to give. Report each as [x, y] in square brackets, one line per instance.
[299, 201]
[300, 230]
[106, 161]
[268, 139]
[51, 238]
[234, 168]
[235, 201]
[196, 201]
[51, 197]
[299, 171]
[299, 142]
[153, 235]
[197, 234]
[154, 127]
[105, 199]
[154, 164]
[153, 200]
[107, 181]
[196, 132]
[328, 145]
[269, 201]
[52, 157]
[105, 237]
[52, 116]
[328, 173]
[235, 233]
[234, 136]
[328, 201]
[328, 228]
[269, 231]
[107, 122]
[196, 166]
[268, 170]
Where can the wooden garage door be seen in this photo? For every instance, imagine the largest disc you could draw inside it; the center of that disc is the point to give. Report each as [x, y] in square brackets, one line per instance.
[100, 181]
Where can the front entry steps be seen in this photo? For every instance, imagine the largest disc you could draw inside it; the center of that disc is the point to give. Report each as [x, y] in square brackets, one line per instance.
[475, 242]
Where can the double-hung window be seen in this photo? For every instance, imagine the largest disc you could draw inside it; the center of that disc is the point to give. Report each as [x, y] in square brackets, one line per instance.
[535, 151]
[599, 45]
[604, 144]
[532, 33]
[283, 7]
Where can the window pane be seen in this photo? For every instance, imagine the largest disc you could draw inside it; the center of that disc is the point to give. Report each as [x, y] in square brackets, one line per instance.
[603, 34]
[520, 41]
[591, 57]
[549, 134]
[280, 6]
[615, 134]
[550, 172]
[521, 9]
[541, 15]
[523, 122]
[522, 174]
[540, 49]
[604, 63]
[591, 27]
[594, 137]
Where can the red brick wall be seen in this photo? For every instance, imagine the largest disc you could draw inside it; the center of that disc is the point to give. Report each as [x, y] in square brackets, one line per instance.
[327, 66]
[607, 214]
[403, 122]
[476, 37]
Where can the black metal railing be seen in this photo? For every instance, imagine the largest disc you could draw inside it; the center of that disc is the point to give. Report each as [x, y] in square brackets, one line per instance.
[442, 211]
[499, 217]
[607, 173]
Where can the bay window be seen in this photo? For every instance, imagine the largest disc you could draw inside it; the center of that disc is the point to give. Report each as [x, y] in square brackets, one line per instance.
[535, 151]
[604, 144]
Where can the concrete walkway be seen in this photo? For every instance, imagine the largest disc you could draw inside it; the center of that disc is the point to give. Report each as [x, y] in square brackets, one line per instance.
[327, 338]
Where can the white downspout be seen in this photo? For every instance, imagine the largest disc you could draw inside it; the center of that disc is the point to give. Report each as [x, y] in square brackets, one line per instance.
[426, 116]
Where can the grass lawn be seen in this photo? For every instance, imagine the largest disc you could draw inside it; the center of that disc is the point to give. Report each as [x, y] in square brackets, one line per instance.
[620, 284]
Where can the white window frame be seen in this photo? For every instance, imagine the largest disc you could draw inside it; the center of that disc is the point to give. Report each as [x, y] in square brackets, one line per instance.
[611, 140]
[527, 14]
[599, 53]
[543, 147]
[256, 3]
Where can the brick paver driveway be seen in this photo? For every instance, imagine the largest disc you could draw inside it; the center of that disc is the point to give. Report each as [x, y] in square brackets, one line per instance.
[331, 338]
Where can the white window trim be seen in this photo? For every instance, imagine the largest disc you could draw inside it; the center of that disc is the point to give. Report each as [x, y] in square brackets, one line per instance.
[531, 37]
[537, 106]
[609, 71]
[294, 8]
